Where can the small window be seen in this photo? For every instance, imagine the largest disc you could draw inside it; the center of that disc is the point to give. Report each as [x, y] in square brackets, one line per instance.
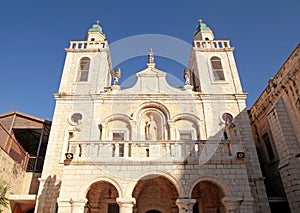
[118, 136]
[268, 146]
[76, 117]
[84, 67]
[185, 136]
[217, 69]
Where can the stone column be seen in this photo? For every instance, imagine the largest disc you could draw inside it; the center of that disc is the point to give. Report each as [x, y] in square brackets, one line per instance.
[78, 205]
[172, 135]
[232, 204]
[134, 131]
[185, 205]
[126, 204]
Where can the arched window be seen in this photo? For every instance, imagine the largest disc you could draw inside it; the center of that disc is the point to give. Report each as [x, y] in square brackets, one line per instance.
[217, 68]
[84, 67]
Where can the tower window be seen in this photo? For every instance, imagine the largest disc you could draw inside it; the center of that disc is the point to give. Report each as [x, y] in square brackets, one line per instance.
[217, 69]
[83, 71]
[268, 146]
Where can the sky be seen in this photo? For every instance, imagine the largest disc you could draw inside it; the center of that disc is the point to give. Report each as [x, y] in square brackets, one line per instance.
[34, 35]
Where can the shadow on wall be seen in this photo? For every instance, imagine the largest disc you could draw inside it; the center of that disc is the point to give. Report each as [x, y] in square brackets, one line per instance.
[49, 193]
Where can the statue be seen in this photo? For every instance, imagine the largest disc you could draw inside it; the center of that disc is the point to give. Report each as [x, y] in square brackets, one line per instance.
[186, 75]
[230, 130]
[151, 129]
[150, 56]
[116, 75]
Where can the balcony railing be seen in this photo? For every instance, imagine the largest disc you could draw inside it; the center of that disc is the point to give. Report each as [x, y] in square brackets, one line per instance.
[218, 44]
[154, 150]
[87, 45]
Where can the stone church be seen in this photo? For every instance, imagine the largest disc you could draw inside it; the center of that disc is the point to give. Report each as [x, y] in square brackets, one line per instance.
[152, 147]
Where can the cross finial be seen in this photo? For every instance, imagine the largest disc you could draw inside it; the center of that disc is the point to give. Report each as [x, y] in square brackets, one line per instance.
[97, 22]
[200, 20]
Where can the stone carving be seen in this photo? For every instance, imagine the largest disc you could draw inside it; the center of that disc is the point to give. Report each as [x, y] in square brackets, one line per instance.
[186, 75]
[150, 56]
[116, 75]
[151, 129]
[230, 129]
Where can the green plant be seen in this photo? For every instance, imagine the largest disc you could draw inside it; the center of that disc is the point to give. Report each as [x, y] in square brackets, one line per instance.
[3, 199]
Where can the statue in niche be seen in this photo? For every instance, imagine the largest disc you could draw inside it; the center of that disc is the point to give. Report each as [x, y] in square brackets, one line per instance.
[230, 129]
[116, 75]
[186, 75]
[151, 129]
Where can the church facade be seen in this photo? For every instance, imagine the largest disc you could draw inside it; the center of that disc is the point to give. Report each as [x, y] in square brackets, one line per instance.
[151, 147]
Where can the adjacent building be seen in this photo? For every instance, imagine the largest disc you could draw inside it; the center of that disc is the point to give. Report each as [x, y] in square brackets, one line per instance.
[275, 121]
[23, 144]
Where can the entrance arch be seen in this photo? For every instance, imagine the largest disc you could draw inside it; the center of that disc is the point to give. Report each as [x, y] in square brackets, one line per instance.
[208, 198]
[102, 198]
[155, 194]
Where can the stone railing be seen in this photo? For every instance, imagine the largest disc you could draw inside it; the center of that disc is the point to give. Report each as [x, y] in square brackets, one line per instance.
[87, 45]
[156, 150]
[218, 44]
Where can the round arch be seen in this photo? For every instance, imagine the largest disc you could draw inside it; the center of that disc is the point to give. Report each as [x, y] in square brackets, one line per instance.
[121, 117]
[187, 116]
[151, 104]
[86, 187]
[190, 124]
[212, 179]
[155, 193]
[124, 127]
[148, 173]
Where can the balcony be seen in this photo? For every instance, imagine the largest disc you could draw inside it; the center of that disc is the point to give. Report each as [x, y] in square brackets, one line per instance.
[144, 151]
[212, 44]
[81, 45]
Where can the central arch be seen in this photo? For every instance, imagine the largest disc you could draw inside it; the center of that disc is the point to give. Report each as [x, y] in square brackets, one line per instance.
[208, 198]
[155, 194]
[102, 198]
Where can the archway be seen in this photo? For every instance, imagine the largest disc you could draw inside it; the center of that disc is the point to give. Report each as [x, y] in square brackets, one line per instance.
[155, 194]
[208, 198]
[102, 198]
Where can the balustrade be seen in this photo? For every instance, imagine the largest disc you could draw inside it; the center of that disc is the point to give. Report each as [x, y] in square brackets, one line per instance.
[212, 44]
[151, 150]
[87, 44]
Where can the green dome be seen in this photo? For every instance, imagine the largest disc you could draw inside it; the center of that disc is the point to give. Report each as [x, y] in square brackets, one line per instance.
[96, 28]
[201, 27]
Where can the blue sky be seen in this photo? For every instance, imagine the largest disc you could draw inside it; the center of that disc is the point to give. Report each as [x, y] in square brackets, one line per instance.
[35, 33]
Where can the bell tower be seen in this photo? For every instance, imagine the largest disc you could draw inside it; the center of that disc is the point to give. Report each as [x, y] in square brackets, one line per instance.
[87, 64]
[212, 65]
